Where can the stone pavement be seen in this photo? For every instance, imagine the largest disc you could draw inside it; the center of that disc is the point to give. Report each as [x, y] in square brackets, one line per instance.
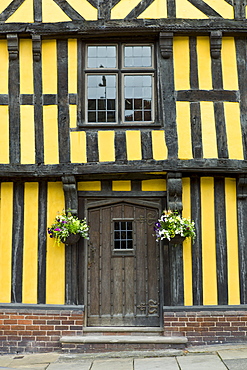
[220, 357]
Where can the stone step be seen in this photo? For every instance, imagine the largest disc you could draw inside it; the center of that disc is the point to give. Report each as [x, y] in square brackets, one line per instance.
[122, 330]
[107, 343]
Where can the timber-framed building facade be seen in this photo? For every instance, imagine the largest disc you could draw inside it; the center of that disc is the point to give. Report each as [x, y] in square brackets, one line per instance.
[116, 110]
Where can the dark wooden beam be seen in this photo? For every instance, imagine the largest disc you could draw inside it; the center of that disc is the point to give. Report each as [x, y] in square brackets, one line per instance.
[205, 8]
[11, 9]
[203, 166]
[221, 242]
[207, 95]
[14, 91]
[42, 237]
[143, 5]
[69, 10]
[17, 242]
[242, 235]
[38, 109]
[197, 285]
[127, 26]
[63, 107]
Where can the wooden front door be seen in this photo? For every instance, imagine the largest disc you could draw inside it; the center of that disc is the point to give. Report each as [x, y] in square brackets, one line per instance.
[123, 266]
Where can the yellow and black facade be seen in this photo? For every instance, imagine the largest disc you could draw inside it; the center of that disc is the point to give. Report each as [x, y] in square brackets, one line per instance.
[183, 147]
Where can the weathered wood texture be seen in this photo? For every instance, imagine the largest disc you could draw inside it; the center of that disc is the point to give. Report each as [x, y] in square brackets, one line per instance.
[197, 245]
[221, 242]
[242, 235]
[17, 242]
[242, 80]
[14, 107]
[123, 286]
[42, 236]
[63, 107]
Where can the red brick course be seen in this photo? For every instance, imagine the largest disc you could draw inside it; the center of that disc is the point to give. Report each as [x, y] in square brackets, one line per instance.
[207, 327]
[36, 330]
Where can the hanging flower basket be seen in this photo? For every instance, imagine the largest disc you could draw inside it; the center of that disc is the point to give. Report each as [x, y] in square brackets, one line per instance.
[173, 228]
[178, 239]
[68, 229]
[71, 239]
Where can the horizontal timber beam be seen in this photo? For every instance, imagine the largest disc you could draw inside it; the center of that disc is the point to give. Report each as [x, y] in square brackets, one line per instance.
[204, 166]
[80, 28]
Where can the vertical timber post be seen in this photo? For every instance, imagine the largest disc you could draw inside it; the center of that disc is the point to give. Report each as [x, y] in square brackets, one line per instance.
[242, 235]
[175, 252]
[71, 251]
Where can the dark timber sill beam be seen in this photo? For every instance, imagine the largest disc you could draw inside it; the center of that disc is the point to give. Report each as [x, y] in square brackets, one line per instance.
[80, 28]
[202, 166]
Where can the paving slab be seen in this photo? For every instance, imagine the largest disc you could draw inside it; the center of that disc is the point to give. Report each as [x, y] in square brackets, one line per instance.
[5, 360]
[233, 354]
[215, 347]
[156, 364]
[240, 364]
[202, 362]
[34, 359]
[79, 365]
[113, 364]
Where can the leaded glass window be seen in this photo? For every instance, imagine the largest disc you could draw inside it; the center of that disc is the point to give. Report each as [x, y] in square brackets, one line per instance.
[119, 84]
[123, 235]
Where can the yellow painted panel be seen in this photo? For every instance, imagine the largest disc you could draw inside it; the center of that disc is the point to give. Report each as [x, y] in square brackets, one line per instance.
[27, 134]
[4, 67]
[158, 9]
[23, 14]
[121, 185]
[181, 54]
[233, 130]
[106, 146]
[52, 12]
[89, 186]
[6, 241]
[159, 145]
[55, 266]
[229, 64]
[204, 63]
[85, 9]
[184, 9]
[30, 244]
[187, 246]
[208, 242]
[133, 145]
[26, 67]
[73, 116]
[232, 242]
[184, 130]
[209, 140]
[154, 185]
[221, 7]
[123, 8]
[49, 66]
[72, 66]
[78, 147]
[50, 134]
[4, 137]
[4, 4]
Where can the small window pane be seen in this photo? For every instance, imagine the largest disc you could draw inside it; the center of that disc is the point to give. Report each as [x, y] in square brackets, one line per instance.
[101, 56]
[101, 93]
[138, 98]
[137, 56]
[123, 238]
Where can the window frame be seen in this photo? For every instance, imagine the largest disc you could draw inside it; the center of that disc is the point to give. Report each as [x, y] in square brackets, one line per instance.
[120, 71]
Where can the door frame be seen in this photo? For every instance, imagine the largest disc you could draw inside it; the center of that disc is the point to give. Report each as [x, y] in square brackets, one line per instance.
[143, 200]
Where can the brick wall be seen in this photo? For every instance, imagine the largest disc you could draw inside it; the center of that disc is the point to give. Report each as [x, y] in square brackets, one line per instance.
[207, 326]
[38, 328]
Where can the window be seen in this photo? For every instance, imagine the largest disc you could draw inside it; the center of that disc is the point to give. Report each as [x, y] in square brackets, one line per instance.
[123, 238]
[119, 84]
